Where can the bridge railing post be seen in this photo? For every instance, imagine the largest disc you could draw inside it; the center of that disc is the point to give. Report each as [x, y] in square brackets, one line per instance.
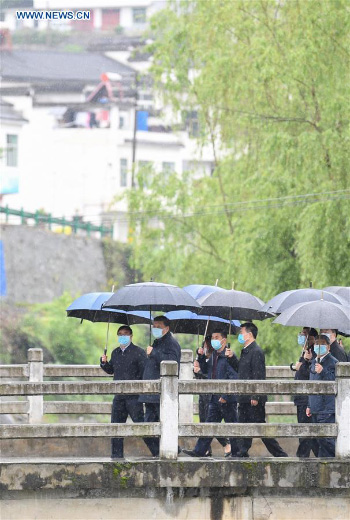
[186, 373]
[36, 375]
[169, 410]
[342, 410]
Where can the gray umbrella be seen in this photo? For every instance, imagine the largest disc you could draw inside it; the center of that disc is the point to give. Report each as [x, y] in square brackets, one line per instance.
[318, 314]
[152, 296]
[344, 292]
[232, 304]
[286, 299]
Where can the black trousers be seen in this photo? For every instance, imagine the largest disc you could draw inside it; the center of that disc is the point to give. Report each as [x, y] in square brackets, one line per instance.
[121, 408]
[256, 414]
[216, 413]
[152, 414]
[305, 444]
[326, 445]
[203, 409]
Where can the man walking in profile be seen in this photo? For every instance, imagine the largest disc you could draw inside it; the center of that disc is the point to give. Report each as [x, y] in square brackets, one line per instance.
[164, 348]
[251, 365]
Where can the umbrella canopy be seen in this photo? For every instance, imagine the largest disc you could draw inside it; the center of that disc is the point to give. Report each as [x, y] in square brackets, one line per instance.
[89, 307]
[187, 322]
[343, 292]
[198, 291]
[318, 314]
[230, 304]
[286, 299]
[152, 296]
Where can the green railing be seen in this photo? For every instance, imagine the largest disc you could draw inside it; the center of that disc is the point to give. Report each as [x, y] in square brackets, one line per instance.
[41, 218]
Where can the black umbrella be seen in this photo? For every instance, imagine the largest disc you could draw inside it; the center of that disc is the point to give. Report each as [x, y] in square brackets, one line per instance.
[343, 292]
[232, 304]
[187, 322]
[286, 299]
[152, 296]
[318, 314]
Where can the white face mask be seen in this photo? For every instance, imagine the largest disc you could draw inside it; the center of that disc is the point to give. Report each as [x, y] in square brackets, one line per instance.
[326, 334]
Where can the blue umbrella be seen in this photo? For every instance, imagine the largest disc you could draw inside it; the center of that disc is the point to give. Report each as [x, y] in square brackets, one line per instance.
[198, 291]
[89, 307]
[187, 322]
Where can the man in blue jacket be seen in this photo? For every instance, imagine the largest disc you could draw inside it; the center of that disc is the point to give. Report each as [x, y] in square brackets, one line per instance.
[164, 348]
[220, 406]
[127, 363]
[322, 407]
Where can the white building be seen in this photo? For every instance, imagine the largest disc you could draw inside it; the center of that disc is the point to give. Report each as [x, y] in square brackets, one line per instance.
[105, 15]
[78, 145]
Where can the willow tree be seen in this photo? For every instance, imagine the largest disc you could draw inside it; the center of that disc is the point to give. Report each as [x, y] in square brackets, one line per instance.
[270, 83]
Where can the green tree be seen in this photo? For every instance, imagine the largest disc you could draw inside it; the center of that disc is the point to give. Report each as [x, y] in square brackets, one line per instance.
[269, 81]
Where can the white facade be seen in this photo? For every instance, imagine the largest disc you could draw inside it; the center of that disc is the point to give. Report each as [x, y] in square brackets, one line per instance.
[11, 156]
[80, 171]
[133, 14]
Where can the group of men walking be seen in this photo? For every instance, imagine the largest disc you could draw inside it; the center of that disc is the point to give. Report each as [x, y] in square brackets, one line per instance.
[217, 361]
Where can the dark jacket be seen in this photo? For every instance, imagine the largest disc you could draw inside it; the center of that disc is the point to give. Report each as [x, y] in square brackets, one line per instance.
[303, 374]
[126, 365]
[223, 371]
[323, 404]
[251, 365]
[164, 349]
[338, 352]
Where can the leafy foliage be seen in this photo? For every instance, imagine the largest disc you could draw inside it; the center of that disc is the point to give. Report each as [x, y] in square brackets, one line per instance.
[269, 81]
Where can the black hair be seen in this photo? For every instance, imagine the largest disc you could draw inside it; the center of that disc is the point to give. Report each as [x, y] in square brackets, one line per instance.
[163, 319]
[313, 333]
[220, 331]
[324, 337]
[125, 327]
[250, 327]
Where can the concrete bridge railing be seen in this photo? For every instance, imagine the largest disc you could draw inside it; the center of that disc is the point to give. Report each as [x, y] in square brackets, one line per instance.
[36, 371]
[171, 389]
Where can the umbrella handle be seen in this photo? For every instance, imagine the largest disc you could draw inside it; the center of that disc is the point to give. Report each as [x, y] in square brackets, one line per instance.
[105, 349]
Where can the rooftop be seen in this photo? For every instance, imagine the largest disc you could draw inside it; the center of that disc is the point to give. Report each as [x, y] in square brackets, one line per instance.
[45, 66]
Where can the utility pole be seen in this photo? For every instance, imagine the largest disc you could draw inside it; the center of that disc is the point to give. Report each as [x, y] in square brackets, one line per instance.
[134, 141]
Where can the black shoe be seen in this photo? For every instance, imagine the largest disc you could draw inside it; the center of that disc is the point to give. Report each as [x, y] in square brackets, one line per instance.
[192, 453]
[283, 454]
[240, 455]
[116, 457]
[228, 454]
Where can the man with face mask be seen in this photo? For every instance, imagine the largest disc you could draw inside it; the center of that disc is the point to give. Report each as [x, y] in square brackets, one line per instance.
[306, 339]
[220, 406]
[335, 349]
[251, 408]
[127, 363]
[164, 348]
[321, 408]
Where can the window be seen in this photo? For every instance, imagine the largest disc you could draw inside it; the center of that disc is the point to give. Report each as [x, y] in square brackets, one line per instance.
[168, 168]
[123, 173]
[139, 15]
[12, 150]
[145, 173]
